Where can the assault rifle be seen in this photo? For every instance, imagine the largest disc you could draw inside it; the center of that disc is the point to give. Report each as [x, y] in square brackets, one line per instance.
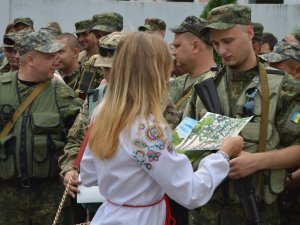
[207, 92]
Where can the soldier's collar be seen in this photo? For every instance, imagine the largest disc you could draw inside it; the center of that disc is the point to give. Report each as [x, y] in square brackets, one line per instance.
[243, 75]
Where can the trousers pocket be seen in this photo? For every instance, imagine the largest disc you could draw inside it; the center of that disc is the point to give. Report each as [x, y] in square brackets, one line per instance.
[8, 157]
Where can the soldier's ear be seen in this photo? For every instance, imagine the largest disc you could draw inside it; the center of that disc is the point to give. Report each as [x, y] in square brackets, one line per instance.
[196, 46]
[250, 32]
[76, 52]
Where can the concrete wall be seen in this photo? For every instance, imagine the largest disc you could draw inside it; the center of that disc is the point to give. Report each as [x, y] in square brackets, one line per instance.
[278, 19]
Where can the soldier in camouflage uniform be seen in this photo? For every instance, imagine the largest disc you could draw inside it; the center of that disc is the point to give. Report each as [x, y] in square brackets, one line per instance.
[23, 23]
[154, 26]
[257, 38]
[194, 54]
[239, 88]
[30, 185]
[11, 54]
[286, 57]
[91, 76]
[69, 68]
[87, 40]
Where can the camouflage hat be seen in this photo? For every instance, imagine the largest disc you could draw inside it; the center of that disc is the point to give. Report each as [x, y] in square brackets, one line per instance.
[23, 20]
[40, 41]
[193, 25]
[153, 24]
[9, 40]
[107, 47]
[227, 16]
[83, 26]
[108, 22]
[50, 30]
[258, 31]
[283, 51]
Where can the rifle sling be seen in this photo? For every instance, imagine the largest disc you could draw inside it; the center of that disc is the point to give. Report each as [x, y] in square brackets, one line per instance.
[23, 106]
[264, 118]
[184, 97]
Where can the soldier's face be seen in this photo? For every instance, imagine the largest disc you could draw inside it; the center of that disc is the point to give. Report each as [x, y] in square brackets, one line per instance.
[43, 65]
[67, 56]
[21, 26]
[183, 51]
[12, 56]
[234, 45]
[87, 40]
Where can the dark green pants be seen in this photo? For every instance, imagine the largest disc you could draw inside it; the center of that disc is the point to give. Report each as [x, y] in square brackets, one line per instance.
[33, 205]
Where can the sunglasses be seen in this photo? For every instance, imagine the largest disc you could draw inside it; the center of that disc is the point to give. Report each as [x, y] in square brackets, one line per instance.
[106, 52]
[248, 108]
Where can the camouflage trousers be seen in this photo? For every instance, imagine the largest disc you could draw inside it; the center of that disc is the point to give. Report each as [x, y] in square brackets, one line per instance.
[33, 205]
[289, 206]
[216, 213]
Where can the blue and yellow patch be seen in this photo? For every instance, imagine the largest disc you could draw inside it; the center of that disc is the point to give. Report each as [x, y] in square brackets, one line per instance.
[295, 117]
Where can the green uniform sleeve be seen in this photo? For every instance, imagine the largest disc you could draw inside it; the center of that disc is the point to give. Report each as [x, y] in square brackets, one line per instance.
[69, 105]
[288, 119]
[75, 138]
[170, 112]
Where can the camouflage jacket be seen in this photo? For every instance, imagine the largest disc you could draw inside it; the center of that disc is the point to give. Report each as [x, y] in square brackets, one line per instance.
[72, 79]
[181, 89]
[90, 76]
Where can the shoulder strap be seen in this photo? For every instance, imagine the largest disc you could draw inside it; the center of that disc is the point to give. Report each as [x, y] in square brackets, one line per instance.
[264, 117]
[23, 106]
[184, 97]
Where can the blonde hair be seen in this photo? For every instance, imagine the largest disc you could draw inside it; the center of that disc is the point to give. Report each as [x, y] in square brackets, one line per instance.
[138, 81]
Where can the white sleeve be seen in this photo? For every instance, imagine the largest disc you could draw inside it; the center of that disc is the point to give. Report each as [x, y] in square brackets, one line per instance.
[88, 172]
[174, 171]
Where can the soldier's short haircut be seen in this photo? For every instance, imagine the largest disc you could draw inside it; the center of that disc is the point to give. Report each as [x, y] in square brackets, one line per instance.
[72, 40]
[270, 39]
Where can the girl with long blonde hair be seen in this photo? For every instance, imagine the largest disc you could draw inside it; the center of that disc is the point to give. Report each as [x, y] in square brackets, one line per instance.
[130, 154]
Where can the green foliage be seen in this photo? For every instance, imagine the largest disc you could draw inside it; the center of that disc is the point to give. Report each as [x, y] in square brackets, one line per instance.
[296, 31]
[175, 138]
[213, 4]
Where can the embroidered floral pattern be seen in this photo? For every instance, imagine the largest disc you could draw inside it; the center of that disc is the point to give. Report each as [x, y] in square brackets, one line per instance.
[153, 133]
[153, 156]
[149, 144]
[139, 143]
[139, 155]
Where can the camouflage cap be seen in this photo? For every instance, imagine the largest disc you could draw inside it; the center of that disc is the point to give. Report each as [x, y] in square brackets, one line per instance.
[107, 47]
[50, 30]
[153, 24]
[193, 25]
[40, 41]
[283, 51]
[23, 20]
[83, 26]
[108, 22]
[258, 31]
[9, 40]
[227, 16]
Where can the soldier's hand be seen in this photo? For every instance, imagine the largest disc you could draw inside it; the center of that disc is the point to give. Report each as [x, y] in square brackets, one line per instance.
[244, 164]
[74, 182]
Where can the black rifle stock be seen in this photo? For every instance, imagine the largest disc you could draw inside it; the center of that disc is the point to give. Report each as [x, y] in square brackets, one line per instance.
[207, 92]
